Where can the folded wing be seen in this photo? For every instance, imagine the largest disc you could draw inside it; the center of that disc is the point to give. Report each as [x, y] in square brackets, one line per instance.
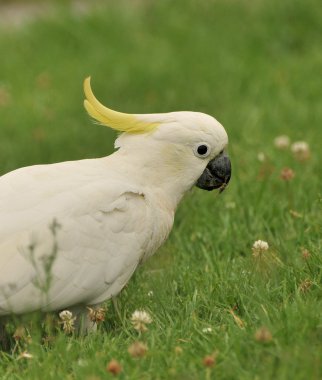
[67, 236]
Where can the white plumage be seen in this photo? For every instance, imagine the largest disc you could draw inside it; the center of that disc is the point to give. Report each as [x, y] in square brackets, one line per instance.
[73, 233]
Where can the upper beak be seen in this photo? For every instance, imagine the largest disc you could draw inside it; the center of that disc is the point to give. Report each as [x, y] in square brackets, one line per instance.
[216, 175]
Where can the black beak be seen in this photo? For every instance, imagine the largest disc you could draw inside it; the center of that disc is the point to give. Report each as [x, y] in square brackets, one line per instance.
[216, 175]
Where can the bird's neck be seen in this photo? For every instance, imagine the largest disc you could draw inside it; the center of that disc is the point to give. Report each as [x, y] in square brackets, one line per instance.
[162, 178]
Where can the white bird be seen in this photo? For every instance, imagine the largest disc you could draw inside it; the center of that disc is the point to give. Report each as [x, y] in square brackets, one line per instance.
[73, 233]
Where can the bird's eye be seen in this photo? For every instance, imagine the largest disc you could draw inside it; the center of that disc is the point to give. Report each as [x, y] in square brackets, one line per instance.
[202, 150]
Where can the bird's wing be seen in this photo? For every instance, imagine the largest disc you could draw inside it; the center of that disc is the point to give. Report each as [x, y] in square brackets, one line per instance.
[67, 236]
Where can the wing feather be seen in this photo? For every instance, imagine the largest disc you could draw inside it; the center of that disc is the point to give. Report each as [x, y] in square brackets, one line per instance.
[102, 231]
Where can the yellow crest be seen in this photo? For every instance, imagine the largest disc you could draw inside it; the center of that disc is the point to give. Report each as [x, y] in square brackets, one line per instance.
[119, 121]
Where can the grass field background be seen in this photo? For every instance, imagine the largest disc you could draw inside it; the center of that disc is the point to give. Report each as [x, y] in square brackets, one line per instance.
[256, 67]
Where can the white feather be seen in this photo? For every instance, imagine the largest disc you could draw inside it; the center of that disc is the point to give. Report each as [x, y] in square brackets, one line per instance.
[113, 213]
[106, 228]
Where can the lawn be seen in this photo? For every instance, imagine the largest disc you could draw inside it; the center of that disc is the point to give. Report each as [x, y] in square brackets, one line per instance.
[255, 66]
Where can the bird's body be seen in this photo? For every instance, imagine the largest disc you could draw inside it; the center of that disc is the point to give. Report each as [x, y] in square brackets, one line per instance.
[73, 233]
[98, 222]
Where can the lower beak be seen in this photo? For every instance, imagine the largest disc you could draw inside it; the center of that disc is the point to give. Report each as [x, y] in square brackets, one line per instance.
[216, 175]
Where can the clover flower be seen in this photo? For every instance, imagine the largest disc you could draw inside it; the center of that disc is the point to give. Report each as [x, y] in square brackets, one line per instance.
[263, 335]
[261, 157]
[137, 349]
[230, 205]
[67, 320]
[114, 367]
[259, 247]
[287, 174]
[210, 360]
[140, 319]
[305, 254]
[96, 315]
[300, 150]
[282, 142]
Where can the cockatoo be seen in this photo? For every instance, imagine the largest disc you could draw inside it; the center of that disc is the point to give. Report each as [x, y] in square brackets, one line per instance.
[73, 233]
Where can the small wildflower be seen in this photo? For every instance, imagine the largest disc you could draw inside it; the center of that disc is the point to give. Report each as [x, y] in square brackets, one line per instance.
[82, 362]
[259, 247]
[301, 150]
[178, 350]
[207, 330]
[96, 315]
[209, 360]
[65, 314]
[137, 349]
[305, 254]
[261, 157]
[114, 367]
[282, 142]
[230, 205]
[263, 335]
[305, 285]
[67, 320]
[25, 355]
[140, 319]
[150, 293]
[287, 174]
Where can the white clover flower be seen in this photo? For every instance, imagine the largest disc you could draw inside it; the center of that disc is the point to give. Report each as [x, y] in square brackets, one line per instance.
[67, 320]
[259, 247]
[299, 146]
[261, 157]
[230, 205]
[261, 244]
[207, 330]
[301, 150]
[65, 315]
[282, 142]
[140, 319]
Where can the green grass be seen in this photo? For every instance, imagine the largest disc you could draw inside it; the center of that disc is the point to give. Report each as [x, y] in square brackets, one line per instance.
[255, 66]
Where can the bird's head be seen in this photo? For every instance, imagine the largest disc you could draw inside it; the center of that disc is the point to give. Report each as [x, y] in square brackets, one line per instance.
[185, 147]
